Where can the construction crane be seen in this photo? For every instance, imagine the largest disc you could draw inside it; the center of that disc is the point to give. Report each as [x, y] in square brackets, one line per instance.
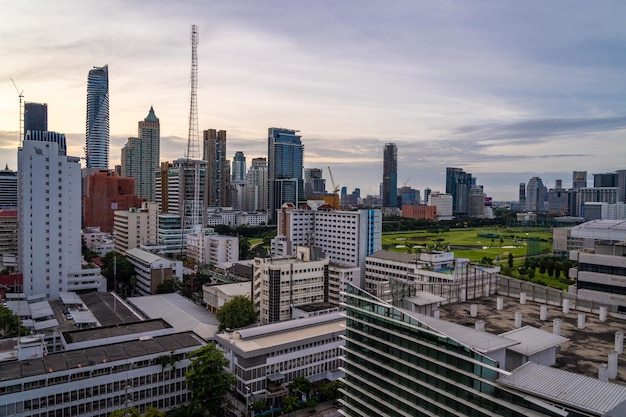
[332, 180]
[21, 96]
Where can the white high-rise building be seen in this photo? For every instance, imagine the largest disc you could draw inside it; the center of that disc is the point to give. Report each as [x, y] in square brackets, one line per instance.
[49, 206]
[256, 185]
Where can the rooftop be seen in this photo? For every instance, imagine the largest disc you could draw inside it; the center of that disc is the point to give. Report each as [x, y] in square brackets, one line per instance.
[394, 256]
[532, 340]
[126, 329]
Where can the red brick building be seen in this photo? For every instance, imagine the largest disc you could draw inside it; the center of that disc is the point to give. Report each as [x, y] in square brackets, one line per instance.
[105, 192]
[420, 212]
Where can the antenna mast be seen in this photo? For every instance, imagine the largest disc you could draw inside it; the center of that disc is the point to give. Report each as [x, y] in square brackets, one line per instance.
[21, 96]
[193, 141]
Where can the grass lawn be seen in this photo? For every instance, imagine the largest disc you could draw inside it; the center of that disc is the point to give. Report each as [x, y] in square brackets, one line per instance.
[474, 243]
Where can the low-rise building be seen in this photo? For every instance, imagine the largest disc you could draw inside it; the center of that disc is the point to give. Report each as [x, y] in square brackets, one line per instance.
[152, 270]
[216, 295]
[206, 247]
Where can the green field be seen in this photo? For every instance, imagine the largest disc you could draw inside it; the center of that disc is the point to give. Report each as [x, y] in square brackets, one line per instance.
[475, 243]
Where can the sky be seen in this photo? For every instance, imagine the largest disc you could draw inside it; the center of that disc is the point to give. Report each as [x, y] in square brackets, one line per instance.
[503, 90]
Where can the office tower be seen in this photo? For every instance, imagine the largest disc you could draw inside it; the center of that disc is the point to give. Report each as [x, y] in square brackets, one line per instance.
[105, 193]
[579, 179]
[427, 192]
[217, 192]
[174, 188]
[605, 180]
[256, 185]
[239, 167]
[390, 175]
[279, 284]
[35, 117]
[313, 182]
[522, 194]
[140, 156]
[409, 195]
[97, 134]
[476, 207]
[558, 200]
[49, 206]
[8, 188]
[458, 184]
[400, 363]
[535, 194]
[285, 153]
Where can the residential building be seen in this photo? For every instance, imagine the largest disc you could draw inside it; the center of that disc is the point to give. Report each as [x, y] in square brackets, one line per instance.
[314, 183]
[8, 231]
[97, 132]
[208, 248]
[443, 204]
[346, 237]
[152, 270]
[419, 212]
[8, 188]
[267, 358]
[257, 186]
[141, 156]
[175, 189]
[217, 184]
[106, 192]
[285, 153]
[390, 175]
[239, 168]
[135, 227]
[35, 117]
[108, 370]
[401, 363]
[535, 195]
[49, 209]
[279, 284]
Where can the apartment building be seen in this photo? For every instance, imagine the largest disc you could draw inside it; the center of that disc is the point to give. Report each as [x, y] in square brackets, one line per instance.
[208, 248]
[135, 227]
[152, 270]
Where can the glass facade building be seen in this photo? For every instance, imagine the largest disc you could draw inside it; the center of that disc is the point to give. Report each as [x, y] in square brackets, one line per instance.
[35, 117]
[390, 175]
[97, 129]
[285, 168]
[396, 365]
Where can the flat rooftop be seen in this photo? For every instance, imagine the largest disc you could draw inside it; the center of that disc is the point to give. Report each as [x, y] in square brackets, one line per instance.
[582, 354]
[98, 333]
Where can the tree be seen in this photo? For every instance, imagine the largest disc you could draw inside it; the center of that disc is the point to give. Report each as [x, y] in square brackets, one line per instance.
[130, 412]
[290, 403]
[168, 286]
[510, 260]
[244, 247]
[302, 385]
[117, 266]
[557, 269]
[10, 325]
[235, 313]
[550, 268]
[208, 380]
[154, 412]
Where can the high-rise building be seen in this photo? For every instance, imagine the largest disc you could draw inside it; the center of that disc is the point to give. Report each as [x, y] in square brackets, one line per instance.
[285, 153]
[608, 179]
[390, 175]
[97, 135]
[579, 179]
[135, 227]
[313, 182]
[49, 206]
[174, 188]
[256, 185]
[522, 194]
[458, 183]
[35, 117]
[217, 184]
[535, 194]
[8, 188]
[621, 184]
[558, 200]
[239, 167]
[140, 156]
[476, 206]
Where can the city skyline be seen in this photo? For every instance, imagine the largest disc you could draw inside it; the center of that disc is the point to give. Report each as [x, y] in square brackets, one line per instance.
[504, 92]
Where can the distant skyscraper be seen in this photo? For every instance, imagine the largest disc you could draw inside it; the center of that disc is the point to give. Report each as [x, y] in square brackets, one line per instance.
[522, 195]
[35, 117]
[8, 188]
[217, 185]
[313, 182]
[140, 156]
[427, 192]
[579, 180]
[256, 185]
[97, 135]
[174, 188]
[239, 167]
[458, 183]
[535, 194]
[390, 175]
[605, 180]
[285, 164]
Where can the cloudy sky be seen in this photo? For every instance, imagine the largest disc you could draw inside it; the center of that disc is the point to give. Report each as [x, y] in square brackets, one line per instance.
[504, 90]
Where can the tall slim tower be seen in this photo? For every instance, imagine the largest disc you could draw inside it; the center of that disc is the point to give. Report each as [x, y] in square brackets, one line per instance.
[193, 142]
[390, 175]
[285, 168]
[97, 134]
[239, 167]
[217, 185]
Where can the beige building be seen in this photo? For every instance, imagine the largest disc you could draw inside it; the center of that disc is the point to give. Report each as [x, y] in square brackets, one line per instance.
[216, 295]
[208, 248]
[136, 227]
[282, 283]
[152, 270]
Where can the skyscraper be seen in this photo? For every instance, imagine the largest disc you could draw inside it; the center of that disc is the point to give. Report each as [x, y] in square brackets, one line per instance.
[35, 117]
[8, 188]
[239, 167]
[579, 179]
[256, 185]
[140, 156]
[535, 194]
[458, 184]
[285, 164]
[217, 184]
[313, 182]
[97, 135]
[390, 175]
[49, 203]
